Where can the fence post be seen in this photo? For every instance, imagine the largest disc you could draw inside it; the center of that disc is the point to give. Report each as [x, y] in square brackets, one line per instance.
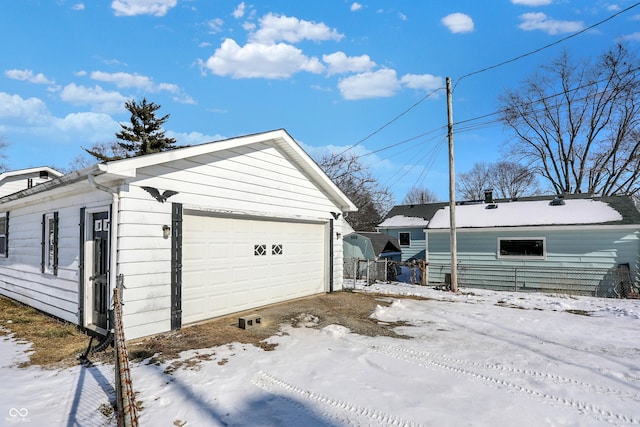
[386, 270]
[125, 399]
[515, 273]
[355, 271]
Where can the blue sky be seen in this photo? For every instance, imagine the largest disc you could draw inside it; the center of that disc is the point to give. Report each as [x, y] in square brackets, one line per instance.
[330, 72]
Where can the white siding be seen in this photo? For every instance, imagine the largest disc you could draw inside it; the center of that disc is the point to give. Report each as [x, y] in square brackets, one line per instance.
[257, 180]
[20, 273]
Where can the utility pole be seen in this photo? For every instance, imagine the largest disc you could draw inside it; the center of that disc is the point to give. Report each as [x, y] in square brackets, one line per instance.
[452, 193]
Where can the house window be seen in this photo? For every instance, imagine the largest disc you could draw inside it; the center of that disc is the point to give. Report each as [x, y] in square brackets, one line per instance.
[50, 243]
[531, 248]
[259, 250]
[405, 239]
[276, 249]
[4, 234]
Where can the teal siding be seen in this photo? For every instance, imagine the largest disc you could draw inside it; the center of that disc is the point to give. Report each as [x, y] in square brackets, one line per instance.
[418, 244]
[577, 255]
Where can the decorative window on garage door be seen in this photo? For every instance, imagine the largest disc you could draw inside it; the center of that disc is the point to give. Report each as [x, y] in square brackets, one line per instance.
[259, 250]
[276, 249]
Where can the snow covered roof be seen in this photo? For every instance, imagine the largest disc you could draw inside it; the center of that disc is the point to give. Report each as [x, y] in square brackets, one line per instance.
[410, 216]
[578, 209]
[404, 221]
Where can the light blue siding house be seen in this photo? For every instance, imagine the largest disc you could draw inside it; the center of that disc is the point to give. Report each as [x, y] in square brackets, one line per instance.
[576, 243]
[408, 224]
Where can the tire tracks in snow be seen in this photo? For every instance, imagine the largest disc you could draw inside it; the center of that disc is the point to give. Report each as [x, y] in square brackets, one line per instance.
[428, 360]
[366, 416]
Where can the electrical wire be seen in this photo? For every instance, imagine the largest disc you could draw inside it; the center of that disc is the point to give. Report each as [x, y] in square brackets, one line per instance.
[517, 58]
[424, 98]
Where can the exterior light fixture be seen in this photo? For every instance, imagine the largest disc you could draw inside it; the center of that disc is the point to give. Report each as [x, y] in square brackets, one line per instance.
[166, 231]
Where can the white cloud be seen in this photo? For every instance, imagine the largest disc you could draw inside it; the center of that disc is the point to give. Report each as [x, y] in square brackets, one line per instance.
[99, 99]
[78, 6]
[426, 82]
[216, 25]
[31, 117]
[257, 60]
[239, 11]
[124, 79]
[613, 7]
[340, 63]
[355, 6]
[532, 2]
[635, 37]
[402, 16]
[194, 138]
[28, 75]
[458, 22]
[274, 28]
[96, 127]
[379, 84]
[127, 80]
[30, 111]
[142, 7]
[539, 21]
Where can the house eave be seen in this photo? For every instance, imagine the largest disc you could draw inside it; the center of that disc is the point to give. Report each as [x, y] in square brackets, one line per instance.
[554, 227]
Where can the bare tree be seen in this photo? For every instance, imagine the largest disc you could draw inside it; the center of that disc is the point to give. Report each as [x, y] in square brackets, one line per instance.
[471, 185]
[510, 179]
[578, 123]
[3, 156]
[419, 196]
[506, 179]
[356, 182]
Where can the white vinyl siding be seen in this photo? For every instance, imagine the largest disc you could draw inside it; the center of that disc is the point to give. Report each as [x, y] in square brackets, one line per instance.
[256, 180]
[21, 276]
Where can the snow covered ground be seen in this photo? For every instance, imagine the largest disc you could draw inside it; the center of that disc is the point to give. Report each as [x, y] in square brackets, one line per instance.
[477, 358]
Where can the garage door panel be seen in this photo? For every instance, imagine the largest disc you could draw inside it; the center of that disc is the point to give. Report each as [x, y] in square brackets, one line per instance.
[222, 274]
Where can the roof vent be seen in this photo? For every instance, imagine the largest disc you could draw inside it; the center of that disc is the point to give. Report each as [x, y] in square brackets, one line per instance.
[491, 206]
[558, 201]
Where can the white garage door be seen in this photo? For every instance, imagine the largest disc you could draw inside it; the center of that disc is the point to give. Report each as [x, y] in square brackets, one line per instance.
[231, 264]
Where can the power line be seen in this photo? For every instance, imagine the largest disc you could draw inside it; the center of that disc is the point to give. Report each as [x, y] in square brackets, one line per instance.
[392, 120]
[546, 46]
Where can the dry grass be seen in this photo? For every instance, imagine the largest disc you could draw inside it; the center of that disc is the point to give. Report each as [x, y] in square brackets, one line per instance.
[53, 342]
[57, 343]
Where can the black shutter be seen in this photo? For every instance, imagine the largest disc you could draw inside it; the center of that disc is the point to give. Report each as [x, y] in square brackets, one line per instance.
[176, 266]
[6, 236]
[42, 245]
[55, 243]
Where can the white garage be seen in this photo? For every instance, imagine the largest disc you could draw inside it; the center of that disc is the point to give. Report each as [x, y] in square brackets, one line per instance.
[234, 264]
[191, 234]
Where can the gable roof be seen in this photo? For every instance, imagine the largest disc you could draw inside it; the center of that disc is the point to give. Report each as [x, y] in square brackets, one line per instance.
[381, 242]
[9, 174]
[411, 216]
[574, 209]
[125, 168]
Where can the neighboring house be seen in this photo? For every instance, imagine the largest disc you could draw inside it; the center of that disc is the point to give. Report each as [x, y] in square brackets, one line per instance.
[14, 181]
[407, 223]
[371, 246]
[535, 234]
[195, 233]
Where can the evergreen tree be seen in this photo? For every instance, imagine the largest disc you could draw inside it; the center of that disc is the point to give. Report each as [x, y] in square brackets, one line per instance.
[143, 136]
